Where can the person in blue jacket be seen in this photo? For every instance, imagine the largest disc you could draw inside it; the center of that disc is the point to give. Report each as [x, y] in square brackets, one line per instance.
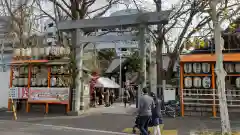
[156, 114]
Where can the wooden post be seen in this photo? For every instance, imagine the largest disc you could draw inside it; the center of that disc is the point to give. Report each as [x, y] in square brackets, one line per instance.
[49, 76]
[46, 108]
[214, 91]
[10, 85]
[29, 85]
[181, 88]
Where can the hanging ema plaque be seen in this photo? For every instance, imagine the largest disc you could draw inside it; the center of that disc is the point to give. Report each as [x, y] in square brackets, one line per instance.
[197, 82]
[197, 68]
[187, 67]
[206, 67]
[188, 82]
[206, 82]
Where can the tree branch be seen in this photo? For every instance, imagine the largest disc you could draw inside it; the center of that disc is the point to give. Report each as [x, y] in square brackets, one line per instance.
[61, 7]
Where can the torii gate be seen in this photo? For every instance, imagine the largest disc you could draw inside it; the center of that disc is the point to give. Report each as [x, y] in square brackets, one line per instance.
[141, 19]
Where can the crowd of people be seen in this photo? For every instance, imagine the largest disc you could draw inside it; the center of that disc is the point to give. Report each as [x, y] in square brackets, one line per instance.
[107, 96]
[103, 97]
[149, 112]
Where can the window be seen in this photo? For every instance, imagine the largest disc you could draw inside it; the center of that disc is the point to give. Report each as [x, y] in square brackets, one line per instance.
[123, 49]
[50, 34]
[50, 25]
[104, 29]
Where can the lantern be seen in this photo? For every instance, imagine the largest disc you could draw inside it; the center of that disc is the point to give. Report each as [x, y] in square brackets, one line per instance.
[188, 82]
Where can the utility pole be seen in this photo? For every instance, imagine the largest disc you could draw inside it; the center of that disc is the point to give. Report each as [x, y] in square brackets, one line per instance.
[220, 72]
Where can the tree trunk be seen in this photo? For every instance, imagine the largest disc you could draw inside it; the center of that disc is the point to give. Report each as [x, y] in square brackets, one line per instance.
[73, 67]
[159, 46]
[159, 66]
[220, 72]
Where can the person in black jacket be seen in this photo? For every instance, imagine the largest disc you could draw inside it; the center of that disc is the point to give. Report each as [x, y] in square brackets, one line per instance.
[156, 114]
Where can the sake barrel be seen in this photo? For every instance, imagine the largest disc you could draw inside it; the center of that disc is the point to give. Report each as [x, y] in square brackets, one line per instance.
[229, 67]
[188, 68]
[188, 82]
[206, 82]
[47, 51]
[53, 50]
[25, 81]
[53, 81]
[61, 69]
[206, 67]
[61, 51]
[14, 82]
[33, 81]
[23, 52]
[17, 52]
[67, 51]
[41, 52]
[197, 68]
[39, 81]
[21, 81]
[21, 70]
[35, 53]
[237, 67]
[28, 51]
[44, 81]
[238, 82]
[197, 82]
[57, 51]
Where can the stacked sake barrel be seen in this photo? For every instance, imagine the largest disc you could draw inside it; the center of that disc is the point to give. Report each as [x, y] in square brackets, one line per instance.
[35, 53]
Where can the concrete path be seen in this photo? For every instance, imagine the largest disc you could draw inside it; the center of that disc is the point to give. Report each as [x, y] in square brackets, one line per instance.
[23, 128]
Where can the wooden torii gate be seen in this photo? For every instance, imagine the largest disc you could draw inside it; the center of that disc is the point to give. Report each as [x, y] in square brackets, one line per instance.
[142, 20]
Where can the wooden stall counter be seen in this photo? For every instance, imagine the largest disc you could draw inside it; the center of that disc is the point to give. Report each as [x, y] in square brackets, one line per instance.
[46, 103]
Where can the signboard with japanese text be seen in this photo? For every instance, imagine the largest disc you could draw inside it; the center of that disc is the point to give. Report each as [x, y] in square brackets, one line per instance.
[18, 92]
[55, 95]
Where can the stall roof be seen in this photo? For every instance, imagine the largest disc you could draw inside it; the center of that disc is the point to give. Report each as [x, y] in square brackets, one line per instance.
[106, 83]
[235, 57]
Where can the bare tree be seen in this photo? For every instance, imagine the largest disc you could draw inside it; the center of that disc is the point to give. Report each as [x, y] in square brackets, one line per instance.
[75, 10]
[183, 26]
[23, 19]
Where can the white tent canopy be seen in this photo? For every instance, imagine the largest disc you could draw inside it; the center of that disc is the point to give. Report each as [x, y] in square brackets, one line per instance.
[106, 83]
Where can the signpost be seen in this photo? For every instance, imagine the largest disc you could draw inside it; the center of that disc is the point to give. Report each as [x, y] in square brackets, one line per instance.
[142, 19]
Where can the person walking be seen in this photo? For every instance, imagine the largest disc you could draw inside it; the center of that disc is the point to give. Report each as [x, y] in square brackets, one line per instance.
[125, 97]
[94, 98]
[156, 115]
[131, 97]
[107, 94]
[111, 97]
[146, 104]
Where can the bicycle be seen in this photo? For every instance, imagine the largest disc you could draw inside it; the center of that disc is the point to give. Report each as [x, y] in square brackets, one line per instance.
[171, 109]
